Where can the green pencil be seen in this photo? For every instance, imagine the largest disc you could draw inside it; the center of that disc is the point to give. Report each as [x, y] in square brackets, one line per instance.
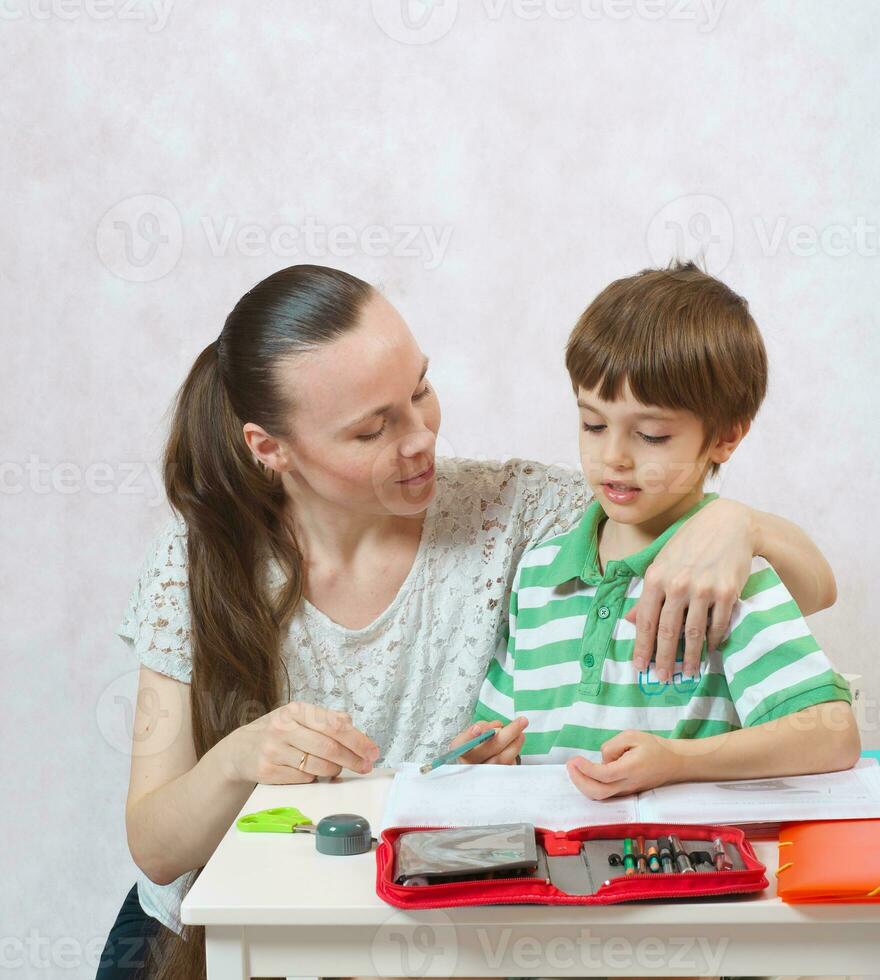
[629, 861]
[453, 754]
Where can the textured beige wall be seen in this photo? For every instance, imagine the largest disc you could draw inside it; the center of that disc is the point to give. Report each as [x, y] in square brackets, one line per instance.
[492, 164]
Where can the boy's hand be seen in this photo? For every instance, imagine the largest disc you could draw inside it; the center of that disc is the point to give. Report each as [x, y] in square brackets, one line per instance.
[500, 750]
[631, 761]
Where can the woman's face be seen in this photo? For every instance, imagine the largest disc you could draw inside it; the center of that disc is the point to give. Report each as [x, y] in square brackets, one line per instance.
[364, 420]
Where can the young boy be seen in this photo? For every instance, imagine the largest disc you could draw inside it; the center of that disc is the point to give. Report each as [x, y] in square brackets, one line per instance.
[669, 370]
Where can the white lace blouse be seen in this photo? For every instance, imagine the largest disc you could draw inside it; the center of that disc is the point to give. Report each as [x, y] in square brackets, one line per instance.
[411, 678]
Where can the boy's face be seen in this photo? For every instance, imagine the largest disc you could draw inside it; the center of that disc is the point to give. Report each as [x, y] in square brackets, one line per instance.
[642, 461]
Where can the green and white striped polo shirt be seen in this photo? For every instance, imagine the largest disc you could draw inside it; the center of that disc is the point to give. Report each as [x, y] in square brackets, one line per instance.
[567, 664]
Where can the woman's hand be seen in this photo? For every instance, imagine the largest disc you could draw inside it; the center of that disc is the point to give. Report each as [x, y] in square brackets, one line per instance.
[631, 761]
[699, 573]
[298, 742]
[500, 750]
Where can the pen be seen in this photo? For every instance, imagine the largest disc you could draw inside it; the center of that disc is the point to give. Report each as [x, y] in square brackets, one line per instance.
[722, 862]
[681, 858]
[453, 754]
[665, 855]
[628, 859]
[641, 860]
[653, 859]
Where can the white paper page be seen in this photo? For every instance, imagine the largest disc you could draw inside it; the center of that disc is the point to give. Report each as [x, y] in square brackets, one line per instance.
[853, 793]
[467, 796]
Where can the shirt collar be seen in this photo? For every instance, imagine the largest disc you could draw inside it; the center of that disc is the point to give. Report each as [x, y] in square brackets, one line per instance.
[578, 555]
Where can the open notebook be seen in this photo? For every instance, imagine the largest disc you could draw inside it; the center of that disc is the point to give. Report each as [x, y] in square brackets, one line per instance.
[463, 795]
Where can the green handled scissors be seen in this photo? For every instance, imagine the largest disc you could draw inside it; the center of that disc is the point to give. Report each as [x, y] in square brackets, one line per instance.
[278, 820]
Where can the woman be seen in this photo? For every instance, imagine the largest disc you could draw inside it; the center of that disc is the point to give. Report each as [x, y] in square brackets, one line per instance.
[320, 551]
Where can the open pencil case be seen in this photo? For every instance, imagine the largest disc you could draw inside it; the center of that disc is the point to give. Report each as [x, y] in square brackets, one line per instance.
[572, 868]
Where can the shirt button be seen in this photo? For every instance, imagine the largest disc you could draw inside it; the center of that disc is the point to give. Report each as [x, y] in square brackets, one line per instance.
[589, 660]
[604, 612]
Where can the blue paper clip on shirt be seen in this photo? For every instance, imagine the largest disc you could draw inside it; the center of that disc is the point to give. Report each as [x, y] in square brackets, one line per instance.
[653, 687]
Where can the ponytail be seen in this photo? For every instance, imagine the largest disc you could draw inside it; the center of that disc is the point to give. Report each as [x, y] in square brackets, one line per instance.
[235, 510]
[234, 513]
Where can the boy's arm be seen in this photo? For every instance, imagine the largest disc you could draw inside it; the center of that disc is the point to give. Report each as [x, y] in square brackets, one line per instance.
[823, 738]
[494, 707]
[495, 701]
[792, 705]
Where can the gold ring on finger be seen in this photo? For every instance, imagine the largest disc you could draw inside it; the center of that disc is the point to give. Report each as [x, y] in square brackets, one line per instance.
[302, 764]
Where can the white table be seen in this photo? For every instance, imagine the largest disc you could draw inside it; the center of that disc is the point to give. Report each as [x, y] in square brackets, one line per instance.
[272, 906]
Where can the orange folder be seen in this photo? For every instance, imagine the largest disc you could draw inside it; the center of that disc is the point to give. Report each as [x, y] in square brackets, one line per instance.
[829, 861]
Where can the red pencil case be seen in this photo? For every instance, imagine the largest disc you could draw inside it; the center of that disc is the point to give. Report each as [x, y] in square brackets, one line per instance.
[588, 846]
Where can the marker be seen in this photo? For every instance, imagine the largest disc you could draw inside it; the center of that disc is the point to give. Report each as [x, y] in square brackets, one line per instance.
[641, 860]
[681, 858]
[665, 855]
[653, 859]
[628, 860]
[453, 754]
[722, 861]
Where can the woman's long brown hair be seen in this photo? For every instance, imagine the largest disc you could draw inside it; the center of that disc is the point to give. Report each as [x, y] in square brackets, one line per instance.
[235, 512]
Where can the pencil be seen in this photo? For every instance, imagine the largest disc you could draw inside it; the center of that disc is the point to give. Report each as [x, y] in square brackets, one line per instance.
[453, 754]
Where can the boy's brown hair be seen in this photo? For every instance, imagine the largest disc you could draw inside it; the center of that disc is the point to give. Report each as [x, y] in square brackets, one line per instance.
[681, 338]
